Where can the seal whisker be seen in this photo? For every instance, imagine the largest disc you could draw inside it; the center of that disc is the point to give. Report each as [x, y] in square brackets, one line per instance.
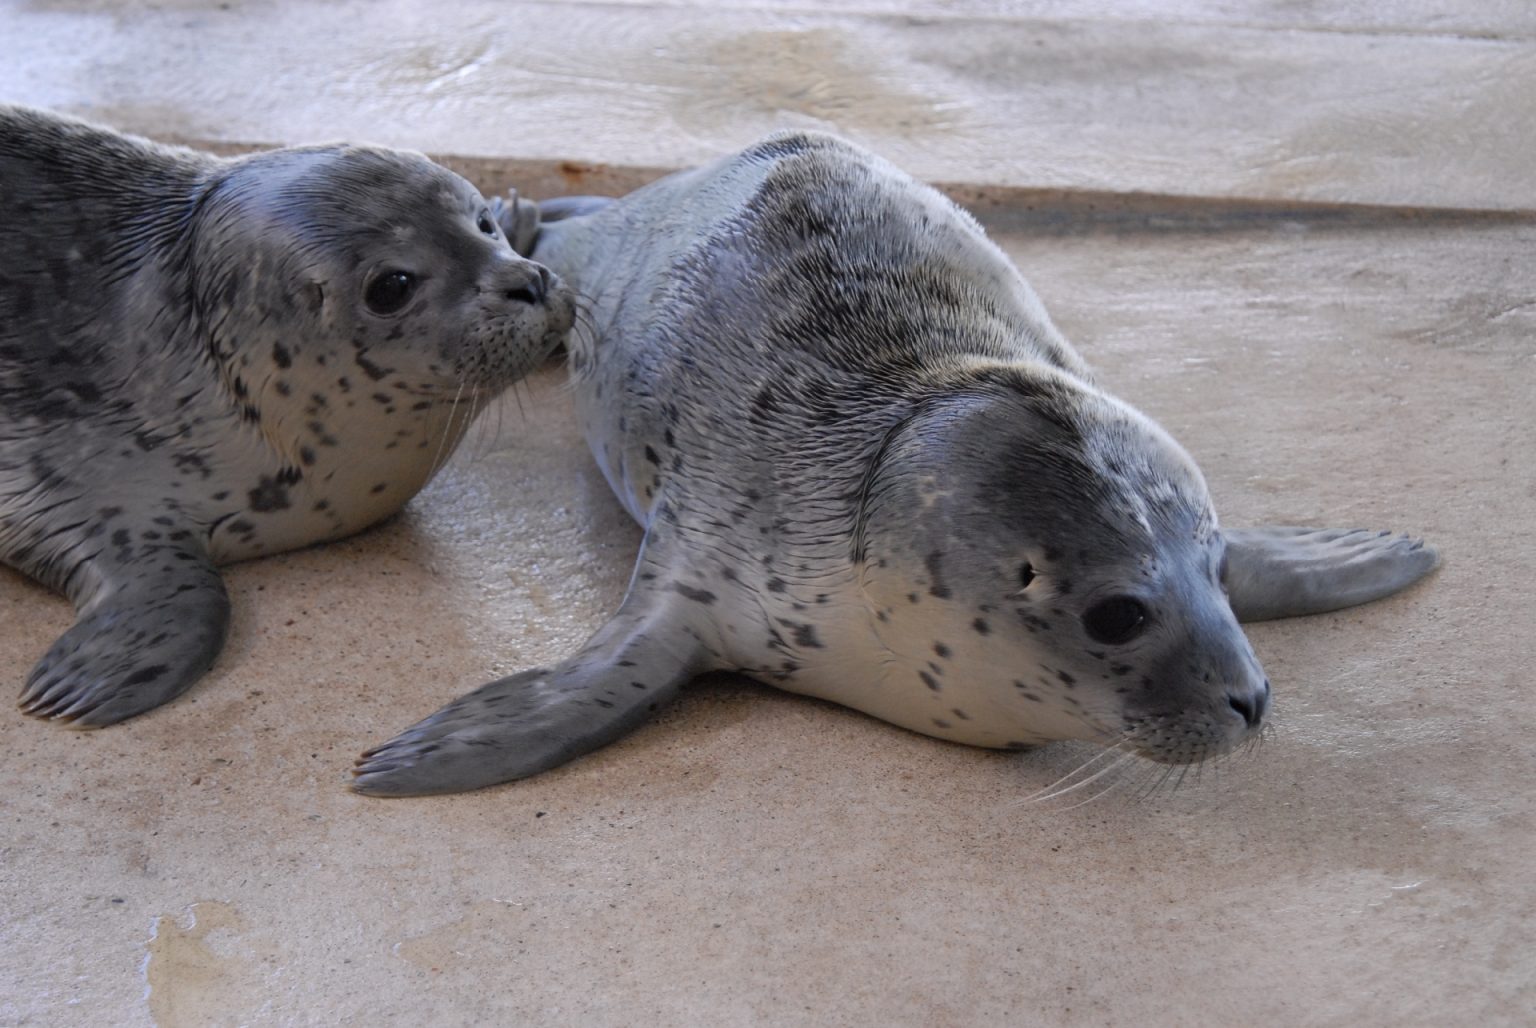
[444, 450]
[1114, 755]
[1109, 787]
[1054, 793]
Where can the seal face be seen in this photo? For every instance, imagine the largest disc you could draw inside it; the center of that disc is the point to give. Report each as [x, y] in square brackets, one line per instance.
[203, 360]
[870, 469]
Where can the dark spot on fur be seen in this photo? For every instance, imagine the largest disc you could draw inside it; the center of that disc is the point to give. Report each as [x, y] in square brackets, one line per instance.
[281, 357]
[371, 369]
[270, 495]
[942, 650]
[930, 681]
[1066, 678]
[696, 595]
[764, 406]
[981, 626]
[145, 675]
[805, 635]
[936, 585]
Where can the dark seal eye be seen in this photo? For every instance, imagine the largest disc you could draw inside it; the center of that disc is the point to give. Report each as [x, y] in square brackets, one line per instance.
[485, 224]
[1026, 575]
[1116, 620]
[389, 291]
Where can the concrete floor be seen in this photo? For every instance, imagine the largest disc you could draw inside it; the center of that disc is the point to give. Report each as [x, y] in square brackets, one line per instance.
[753, 857]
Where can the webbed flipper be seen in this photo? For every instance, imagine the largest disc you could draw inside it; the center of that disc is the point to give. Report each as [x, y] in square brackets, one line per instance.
[149, 625]
[536, 720]
[1282, 571]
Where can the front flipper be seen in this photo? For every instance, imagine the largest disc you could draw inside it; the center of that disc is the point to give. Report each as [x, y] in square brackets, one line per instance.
[1278, 572]
[533, 721]
[149, 626]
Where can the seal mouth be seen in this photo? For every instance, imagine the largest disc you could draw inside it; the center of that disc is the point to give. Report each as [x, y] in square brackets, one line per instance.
[1181, 739]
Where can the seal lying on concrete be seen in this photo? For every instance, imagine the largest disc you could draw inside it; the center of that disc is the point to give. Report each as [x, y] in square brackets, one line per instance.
[871, 470]
[203, 360]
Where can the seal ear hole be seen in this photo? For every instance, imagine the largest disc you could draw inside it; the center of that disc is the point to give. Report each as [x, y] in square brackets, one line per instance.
[389, 291]
[485, 224]
[1116, 620]
[314, 295]
[1026, 574]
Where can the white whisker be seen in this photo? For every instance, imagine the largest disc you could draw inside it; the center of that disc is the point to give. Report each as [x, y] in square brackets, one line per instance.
[1059, 788]
[443, 449]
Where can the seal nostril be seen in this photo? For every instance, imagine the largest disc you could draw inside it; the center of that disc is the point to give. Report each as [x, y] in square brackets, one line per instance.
[532, 289]
[1250, 708]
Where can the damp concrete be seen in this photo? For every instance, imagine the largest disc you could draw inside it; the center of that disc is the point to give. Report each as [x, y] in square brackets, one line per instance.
[752, 857]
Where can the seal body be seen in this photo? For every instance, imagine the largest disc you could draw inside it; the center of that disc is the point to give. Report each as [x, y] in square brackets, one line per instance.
[870, 469]
[204, 360]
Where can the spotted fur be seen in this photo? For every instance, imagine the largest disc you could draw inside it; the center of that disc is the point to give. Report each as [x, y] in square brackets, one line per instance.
[190, 375]
[870, 469]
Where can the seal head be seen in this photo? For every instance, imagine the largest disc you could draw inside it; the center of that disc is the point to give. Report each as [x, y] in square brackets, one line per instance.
[1045, 564]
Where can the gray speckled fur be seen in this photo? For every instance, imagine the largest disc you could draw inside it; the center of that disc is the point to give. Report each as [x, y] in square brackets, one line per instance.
[189, 375]
[848, 426]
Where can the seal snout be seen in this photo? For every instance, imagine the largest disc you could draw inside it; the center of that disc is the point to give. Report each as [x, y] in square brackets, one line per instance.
[520, 281]
[534, 288]
[1251, 704]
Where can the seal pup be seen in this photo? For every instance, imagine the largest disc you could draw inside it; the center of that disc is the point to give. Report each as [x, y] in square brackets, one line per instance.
[204, 360]
[870, 469]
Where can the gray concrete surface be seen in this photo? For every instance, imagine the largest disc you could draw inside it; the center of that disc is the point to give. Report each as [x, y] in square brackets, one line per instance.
[759, 858]
[1355, 103]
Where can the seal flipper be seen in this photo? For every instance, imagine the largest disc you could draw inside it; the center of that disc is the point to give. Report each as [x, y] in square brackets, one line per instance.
[148, 625]
[1281, 571]
[536, 720]
[562, 207]
[521, 219]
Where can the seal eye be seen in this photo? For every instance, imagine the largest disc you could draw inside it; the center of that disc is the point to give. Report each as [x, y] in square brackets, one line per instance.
[486, 225]
[1026, 575]
[389, 291]
[1116, 620]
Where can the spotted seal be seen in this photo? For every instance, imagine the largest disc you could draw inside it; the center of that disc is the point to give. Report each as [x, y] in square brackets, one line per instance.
[871, 470]
[204, 360]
